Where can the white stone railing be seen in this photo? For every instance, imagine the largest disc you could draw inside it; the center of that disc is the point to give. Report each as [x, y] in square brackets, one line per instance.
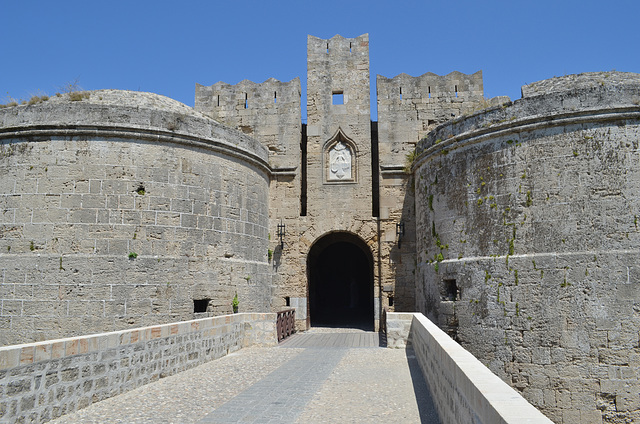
[462, 388]
[41, 381]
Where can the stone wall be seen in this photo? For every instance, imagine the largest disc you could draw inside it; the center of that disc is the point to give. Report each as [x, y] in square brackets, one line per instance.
[41, 381]
[121, 209]
[527, 222]
[408, 108]
[463, 390]
[269, 112]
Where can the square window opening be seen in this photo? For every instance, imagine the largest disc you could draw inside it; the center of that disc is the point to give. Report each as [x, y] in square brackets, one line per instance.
[338, 98]
[450, 290]
[200, 305]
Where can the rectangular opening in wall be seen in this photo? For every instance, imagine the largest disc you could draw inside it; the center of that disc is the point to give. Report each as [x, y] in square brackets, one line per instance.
[327, 47]
[246, 101]
[200, 305]
[400, 93]
[218, 100]
[275, 97]
[456, 88]
[338, 98]
[450, 290]
[390, 301]
[429, 91]
[349, 47]
[287, 301]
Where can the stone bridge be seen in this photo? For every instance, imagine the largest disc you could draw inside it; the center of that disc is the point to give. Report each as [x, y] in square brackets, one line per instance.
[232, 369]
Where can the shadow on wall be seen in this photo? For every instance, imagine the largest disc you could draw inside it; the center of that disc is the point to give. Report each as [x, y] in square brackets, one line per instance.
[402, 255]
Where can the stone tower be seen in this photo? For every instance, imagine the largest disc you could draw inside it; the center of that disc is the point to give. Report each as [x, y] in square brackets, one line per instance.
[339, 201]
[339, 128]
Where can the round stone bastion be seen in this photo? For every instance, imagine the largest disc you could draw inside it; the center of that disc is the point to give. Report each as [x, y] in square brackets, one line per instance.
[528, 242]
[124, 209]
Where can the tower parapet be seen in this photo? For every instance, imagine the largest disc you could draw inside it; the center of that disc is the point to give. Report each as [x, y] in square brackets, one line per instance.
[268, 111]
[409, 107]
[338, 84]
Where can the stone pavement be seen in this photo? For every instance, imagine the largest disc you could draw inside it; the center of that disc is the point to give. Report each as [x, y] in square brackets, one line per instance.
[321, 376]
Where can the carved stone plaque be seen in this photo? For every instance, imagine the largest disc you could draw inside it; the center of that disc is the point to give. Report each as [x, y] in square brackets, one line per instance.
[339, 162]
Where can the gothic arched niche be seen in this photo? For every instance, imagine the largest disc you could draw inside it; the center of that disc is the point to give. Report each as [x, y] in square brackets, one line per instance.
[340, 159]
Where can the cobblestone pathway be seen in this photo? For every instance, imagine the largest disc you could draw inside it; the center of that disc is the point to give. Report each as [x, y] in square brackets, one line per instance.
[315, 377]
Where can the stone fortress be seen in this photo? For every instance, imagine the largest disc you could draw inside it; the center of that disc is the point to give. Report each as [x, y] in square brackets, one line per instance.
[512, 225]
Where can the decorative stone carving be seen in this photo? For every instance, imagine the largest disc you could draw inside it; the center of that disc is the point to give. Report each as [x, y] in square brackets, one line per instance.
[340, 162]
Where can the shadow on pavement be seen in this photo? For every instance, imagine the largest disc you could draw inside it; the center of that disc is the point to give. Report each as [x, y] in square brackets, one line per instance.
[426, 408]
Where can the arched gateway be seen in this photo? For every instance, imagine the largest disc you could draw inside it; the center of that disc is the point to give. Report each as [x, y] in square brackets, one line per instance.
[340, 275]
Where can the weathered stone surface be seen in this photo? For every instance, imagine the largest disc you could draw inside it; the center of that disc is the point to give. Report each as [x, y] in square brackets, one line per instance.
[138, 206]
[114, 363]
[463, 389]
[531, 210]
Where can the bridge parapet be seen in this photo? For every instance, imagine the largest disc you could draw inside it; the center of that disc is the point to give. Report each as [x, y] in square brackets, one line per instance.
[463, 389]
[41, 381]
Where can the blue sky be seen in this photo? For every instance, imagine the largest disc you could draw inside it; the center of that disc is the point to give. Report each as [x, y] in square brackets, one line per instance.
[166, 47]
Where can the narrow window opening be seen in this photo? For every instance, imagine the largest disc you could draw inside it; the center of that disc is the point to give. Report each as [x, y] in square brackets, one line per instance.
[218, 100]
[429, 91]
[287, 301]
[350, 47]
[275, 97]
[390, 300]
[338, 98]
[246, 101]
[327, 47]
[200, 305]
[456, 88]
[400, 93]
[450, 290]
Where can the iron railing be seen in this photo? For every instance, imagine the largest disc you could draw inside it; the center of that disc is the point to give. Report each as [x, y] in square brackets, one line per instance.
[286, 323]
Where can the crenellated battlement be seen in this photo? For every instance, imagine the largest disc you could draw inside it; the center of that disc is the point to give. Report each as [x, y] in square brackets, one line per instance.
[337, 46]
[227, 102]
[409, 107]
[269, 111]
[454, 85]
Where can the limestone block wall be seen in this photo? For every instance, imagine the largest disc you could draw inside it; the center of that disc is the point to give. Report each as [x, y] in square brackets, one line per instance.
[463, 390]
[338, 65]
[268, 111]
[123, 209]
[409, 107]
[271, 113]
[41, 381]
[397, 252]
[527, 224]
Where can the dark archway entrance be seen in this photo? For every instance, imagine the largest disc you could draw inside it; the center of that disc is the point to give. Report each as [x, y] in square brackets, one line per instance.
[340, 272]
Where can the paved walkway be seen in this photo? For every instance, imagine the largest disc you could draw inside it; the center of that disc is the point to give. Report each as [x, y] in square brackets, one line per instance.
[321, 376]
